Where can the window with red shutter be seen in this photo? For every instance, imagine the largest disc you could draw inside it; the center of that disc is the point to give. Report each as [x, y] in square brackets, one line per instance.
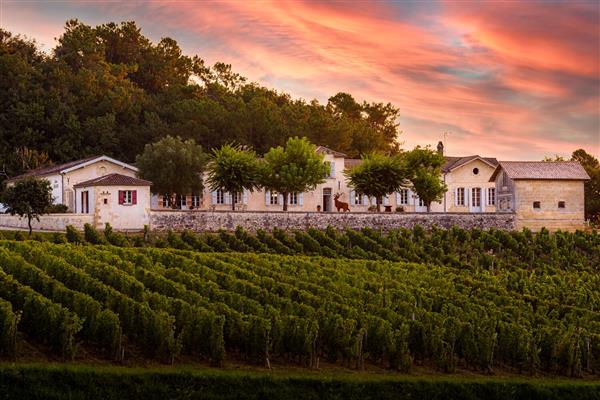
[121, 197]
[134, 197]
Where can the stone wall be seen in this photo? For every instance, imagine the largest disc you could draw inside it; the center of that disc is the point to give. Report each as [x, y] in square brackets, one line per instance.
[50, 222]
[211, 221]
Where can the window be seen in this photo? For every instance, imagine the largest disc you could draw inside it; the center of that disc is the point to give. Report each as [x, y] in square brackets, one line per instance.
[127, 197]
[403, 196]
[460, 196]
[475, 171]
[239, 198]
[274, 199]
[220, 196]
[195, 200]
[561, 204]
[166, 203]
[476, 197]
[293, 199]
[537, 205]
[358, 198]
[421, 203]
[105, 201]
[491, 197]
[182, 201]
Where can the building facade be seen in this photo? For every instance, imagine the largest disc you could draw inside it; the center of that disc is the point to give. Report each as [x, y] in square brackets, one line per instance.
[542, 194]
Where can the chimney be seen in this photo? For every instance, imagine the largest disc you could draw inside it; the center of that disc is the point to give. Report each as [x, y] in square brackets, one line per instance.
[440, 148]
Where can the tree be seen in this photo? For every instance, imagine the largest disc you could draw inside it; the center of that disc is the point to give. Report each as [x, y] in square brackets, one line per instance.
[591, 187]
[234, 170]
[424, 167]
[377, 176]
[29, 198]
[293, 169]
[173, 166]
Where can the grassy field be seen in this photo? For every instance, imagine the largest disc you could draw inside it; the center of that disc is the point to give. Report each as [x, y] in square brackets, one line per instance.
[67, 381]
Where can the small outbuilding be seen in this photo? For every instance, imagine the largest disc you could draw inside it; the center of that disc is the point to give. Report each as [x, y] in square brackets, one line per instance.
[541, 193]
[121, 200]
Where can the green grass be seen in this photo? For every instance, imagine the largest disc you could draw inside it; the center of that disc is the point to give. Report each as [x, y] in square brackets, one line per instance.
[69, 381]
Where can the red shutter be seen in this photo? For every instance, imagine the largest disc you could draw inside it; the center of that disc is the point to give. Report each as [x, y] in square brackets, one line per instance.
[121, 197]
[134, 197]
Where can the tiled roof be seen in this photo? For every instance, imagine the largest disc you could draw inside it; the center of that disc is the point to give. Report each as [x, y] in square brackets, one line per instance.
[351, 162]
[455, 162]
[53, 169]
[323, 149]
[561, 170]
[114, 180]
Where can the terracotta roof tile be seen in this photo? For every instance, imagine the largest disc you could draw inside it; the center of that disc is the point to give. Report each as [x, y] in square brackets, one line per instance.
[114, 180]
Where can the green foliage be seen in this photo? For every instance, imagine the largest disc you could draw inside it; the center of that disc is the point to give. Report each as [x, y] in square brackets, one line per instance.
[113, 237]
[293, 169]
[234, 170]
[8, 329]
[91, 235]
[592, 187]
[173, 165]
[72, 235]
[424, 167]
[57, 209]
[29, 197]
[377, 176]
[110, 90]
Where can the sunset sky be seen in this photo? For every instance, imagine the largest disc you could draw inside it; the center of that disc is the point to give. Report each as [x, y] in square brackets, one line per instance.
[513, 80]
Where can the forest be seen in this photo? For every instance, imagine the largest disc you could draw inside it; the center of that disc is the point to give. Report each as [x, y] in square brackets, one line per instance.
[109, 90]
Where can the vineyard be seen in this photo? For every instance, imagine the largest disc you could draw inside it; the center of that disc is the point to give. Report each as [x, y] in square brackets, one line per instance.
[449, 300]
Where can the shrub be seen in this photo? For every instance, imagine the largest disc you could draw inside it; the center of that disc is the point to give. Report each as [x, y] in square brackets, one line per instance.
[114, 238]
[72, 235]
[91, 235]
[399, 209]
[57, 209]
[19, 236]
[58, 238]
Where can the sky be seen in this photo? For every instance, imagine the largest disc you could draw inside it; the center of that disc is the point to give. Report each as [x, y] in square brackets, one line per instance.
[515, 80]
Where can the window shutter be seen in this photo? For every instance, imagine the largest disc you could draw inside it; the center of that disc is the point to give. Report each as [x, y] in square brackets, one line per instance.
[352, 197]
[245, 197]
[227, 198]
[301, 199]
[134, 197]
[366, 200]
[456, 197]
[280, 199]
[268, 197]
[483, 196]
[121, 197]
[386, 200]
[398, 198]
[467, 197]
[332, 172]
[213, 197]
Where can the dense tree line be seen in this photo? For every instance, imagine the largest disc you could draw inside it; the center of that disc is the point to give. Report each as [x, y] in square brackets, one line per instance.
[109, 90]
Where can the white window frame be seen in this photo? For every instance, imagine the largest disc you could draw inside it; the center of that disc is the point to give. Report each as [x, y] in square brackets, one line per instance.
[460, 196]
[220, 196]
[196, 200]
[127, 197]
[403, 197]
[476, 197]
[166, 203]
[293, 199]
[491, 196]
[274, 198]
[182, 201]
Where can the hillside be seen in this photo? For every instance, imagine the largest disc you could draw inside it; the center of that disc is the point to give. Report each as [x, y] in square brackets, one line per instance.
[480, 314]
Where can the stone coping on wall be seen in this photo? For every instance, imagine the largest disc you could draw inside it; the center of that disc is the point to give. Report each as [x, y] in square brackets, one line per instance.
[204, 211]
[210, 221]
[47, 222]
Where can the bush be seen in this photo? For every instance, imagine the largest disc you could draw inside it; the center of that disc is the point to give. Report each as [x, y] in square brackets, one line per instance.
[72, 235]
[58, 238]
[399, 209]
[116, 239]
[57, 209]
[91, 235]
[18, 236]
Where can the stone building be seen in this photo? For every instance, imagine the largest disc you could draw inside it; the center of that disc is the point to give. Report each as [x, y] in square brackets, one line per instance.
[542, 194]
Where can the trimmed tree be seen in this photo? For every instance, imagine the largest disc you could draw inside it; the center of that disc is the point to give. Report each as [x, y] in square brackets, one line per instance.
[174, 166]
[293, 169]
[424, 167]
[29, 198]
[234, 170]
[377, 176]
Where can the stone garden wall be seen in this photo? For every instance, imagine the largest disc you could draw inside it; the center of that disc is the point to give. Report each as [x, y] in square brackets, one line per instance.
[211, 221]
[50, 222]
